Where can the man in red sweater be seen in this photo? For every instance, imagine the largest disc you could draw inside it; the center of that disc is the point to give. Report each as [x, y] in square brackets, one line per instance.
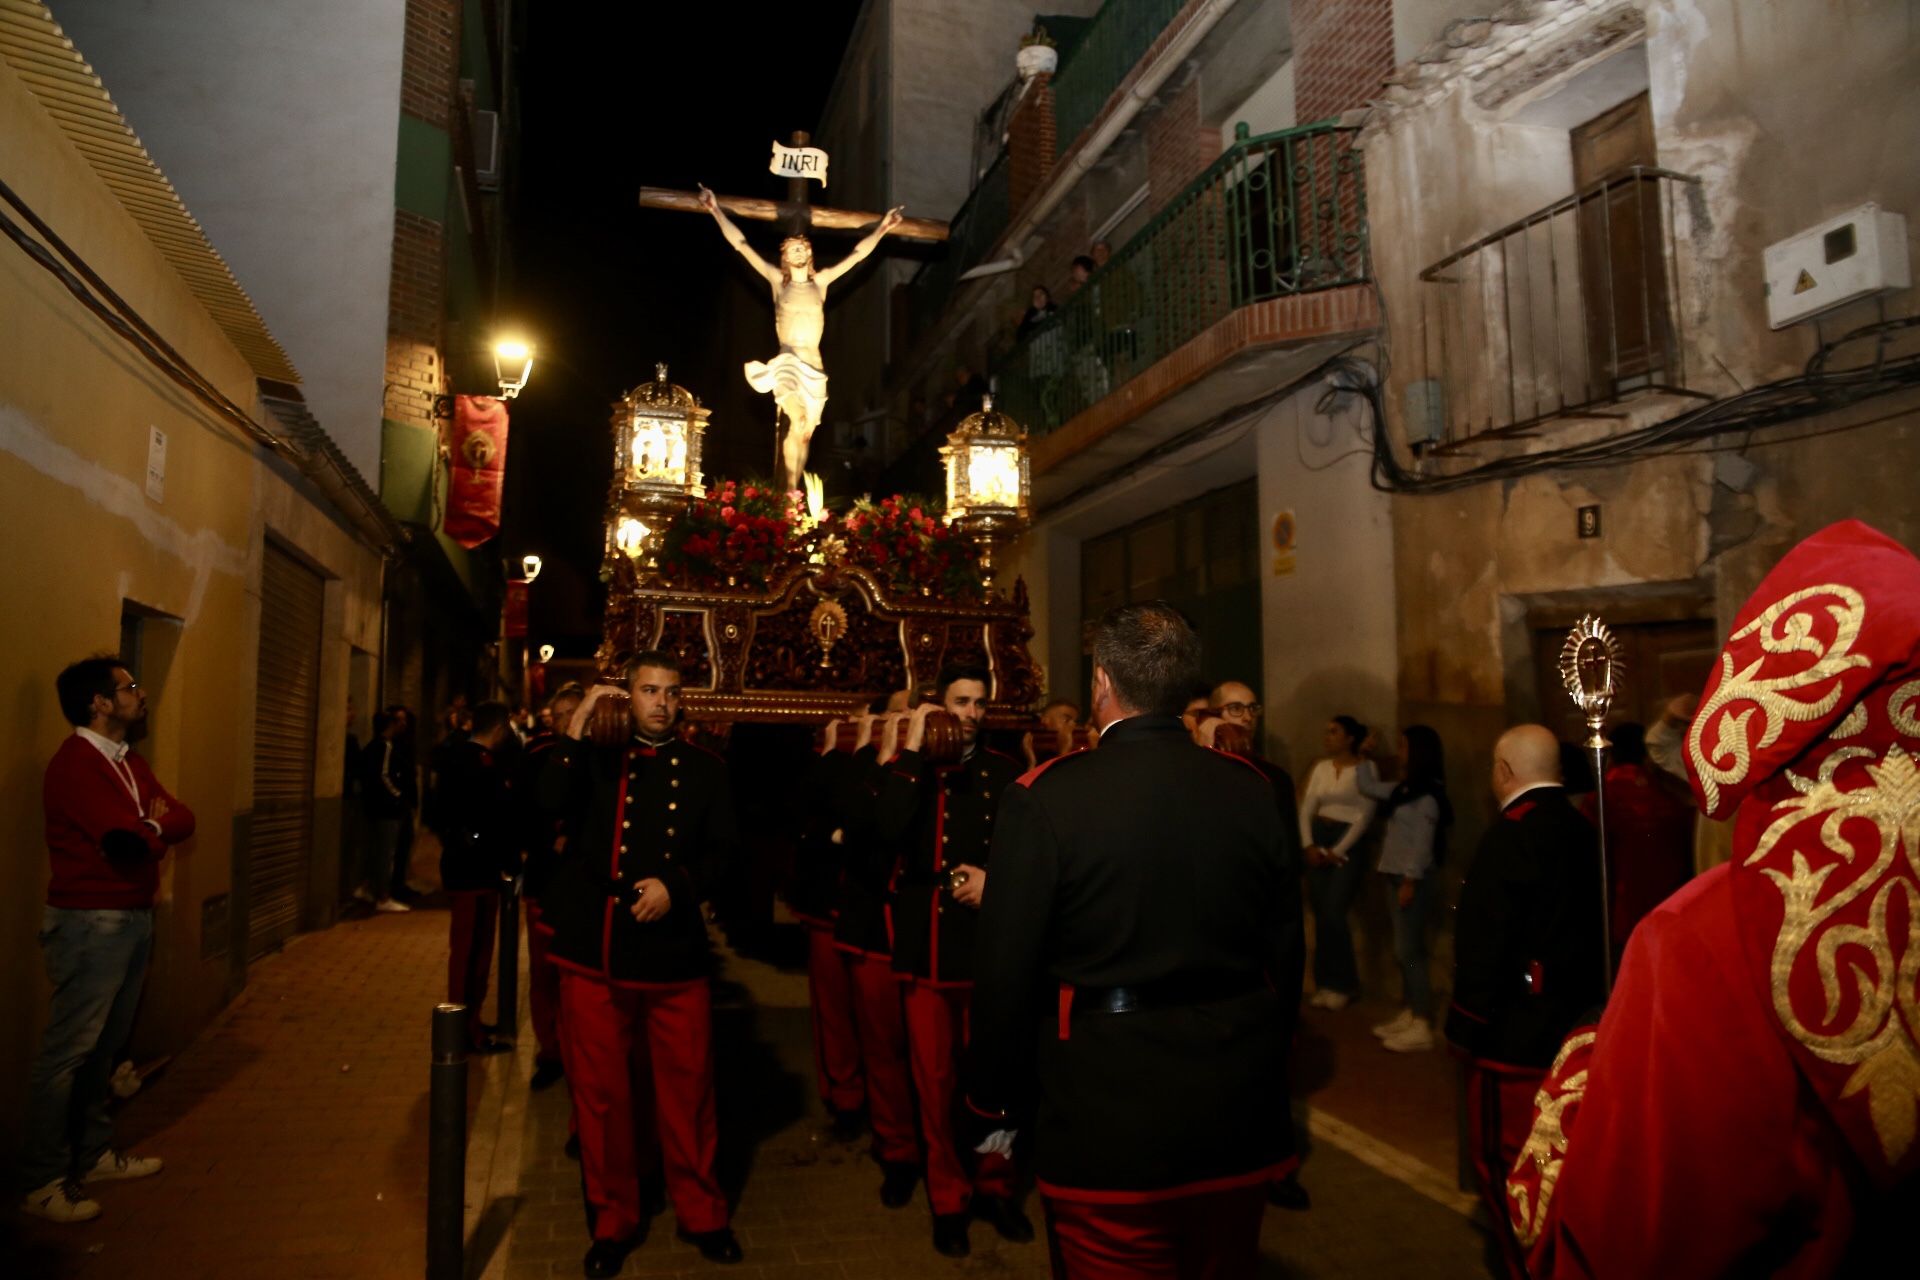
[109, 823]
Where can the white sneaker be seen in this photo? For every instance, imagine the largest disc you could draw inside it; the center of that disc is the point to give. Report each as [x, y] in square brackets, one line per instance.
[1397, 1024]
[117, 1166]
[362, 894]
[61, 1200]
[1330, 1000]
[1415, 1037]
[391, 904]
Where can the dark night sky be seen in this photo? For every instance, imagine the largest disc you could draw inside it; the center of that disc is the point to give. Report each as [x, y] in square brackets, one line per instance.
[638, 95]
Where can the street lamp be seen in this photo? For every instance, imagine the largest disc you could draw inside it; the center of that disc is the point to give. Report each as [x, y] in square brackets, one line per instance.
[989, 481]
[546, 653]
[530, 567]
[512, 366]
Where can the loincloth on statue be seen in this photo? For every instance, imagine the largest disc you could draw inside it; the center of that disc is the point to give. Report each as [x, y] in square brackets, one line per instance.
[793, 382]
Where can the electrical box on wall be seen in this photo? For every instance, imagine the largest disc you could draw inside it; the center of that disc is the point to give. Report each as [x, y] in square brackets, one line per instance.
[1854, 255]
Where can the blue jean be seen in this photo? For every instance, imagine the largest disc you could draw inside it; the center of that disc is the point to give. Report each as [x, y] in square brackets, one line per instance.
[1410, 943]
[1330, 892]
[97, 962]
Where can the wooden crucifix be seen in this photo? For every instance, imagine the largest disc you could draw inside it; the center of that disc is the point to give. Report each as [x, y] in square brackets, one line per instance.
[796, 377]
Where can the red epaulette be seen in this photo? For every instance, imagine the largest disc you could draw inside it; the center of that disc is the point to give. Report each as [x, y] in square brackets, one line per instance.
[1026, 779]
[1519, 811]
[1242, 759]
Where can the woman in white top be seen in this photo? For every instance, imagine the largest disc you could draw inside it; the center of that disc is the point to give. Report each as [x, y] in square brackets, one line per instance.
[1333, 818]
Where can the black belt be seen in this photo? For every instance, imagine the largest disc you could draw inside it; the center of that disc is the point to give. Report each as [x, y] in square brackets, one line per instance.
[1165, 993]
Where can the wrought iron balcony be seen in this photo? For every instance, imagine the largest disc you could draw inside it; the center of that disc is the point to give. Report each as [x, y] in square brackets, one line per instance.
[1279, 214]
[973, 232]
[1559, 315]
[1120, 35]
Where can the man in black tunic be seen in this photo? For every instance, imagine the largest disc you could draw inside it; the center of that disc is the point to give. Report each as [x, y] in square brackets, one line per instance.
[1140, 920]
[649, 825]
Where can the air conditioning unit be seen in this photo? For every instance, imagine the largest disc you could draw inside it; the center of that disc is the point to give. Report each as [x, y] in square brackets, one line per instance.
[1855, 255]
[486, 150]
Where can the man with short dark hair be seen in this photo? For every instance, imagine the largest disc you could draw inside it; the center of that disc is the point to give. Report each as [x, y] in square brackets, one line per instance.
[1140, 960]
[109, 822]
[477, 856]
[937, 818]
[648, 820]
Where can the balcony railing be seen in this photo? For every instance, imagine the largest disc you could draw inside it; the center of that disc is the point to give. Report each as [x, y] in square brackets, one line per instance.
[1120, 36]
[973, 232]
[1562, 313]
[1279, 214]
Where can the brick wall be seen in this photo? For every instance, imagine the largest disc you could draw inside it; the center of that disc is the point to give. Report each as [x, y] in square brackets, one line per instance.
[1030, 144]
[1178, 148]
[1342, 50]
[416, 311]
[430, 67]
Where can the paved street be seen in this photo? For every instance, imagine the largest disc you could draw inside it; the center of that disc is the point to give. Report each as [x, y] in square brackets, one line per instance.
[294, 1132]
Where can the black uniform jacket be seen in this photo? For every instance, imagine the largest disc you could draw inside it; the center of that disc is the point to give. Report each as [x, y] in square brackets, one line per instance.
[866, 865]
[1529, 935]
[538, 827]
[814, 886]
[632, 813]
[933, 818]
[1154, 865]
[478, 845]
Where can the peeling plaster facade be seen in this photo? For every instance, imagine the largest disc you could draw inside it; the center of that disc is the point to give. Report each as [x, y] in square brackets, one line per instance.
[1765, 104]
[85, 539]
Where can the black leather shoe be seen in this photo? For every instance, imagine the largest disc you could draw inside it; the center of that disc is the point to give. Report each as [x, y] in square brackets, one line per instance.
[897, 1182]
[714, 1246]
[1004, 1216]
[847, 1126]
[573, 1146]
[546, 1075]
[1289, 1194]
[606, 1257]
[653, 1197]
[950, 1235]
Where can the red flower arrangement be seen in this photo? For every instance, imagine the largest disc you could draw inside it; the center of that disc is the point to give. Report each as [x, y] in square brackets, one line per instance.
[746, 532]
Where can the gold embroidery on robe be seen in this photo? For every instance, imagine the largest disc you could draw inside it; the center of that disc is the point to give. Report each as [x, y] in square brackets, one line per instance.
[1546, 1145]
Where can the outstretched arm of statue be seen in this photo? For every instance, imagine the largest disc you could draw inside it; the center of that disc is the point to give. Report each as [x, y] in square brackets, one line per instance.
[868, 243]
[711, 204]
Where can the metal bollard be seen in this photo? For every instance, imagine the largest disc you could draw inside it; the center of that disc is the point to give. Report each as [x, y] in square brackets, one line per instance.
[507, 1005]
[447, 1145]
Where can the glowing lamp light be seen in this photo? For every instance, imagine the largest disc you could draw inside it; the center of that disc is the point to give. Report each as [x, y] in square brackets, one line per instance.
[512, 366]
[631, 536]
[989, 480]
[546, 653]
[658, 430]
[530, 567]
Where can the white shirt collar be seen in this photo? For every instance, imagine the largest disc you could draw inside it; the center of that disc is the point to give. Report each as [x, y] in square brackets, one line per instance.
[115, 752]
[1531, 786]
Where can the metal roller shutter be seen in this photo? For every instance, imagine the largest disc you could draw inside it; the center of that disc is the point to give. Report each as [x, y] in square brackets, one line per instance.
[285, 723]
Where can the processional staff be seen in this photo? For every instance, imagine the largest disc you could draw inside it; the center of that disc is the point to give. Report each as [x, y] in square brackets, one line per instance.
[1589, 668]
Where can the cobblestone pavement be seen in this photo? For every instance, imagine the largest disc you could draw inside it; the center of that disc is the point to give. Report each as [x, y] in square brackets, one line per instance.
[294, 1132]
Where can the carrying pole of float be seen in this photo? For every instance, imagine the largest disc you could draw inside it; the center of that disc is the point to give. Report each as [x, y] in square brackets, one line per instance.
[1590, 670]
[447, 1145]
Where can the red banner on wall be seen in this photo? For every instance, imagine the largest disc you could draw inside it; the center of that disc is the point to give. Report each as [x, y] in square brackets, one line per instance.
[516, 609]
[479, 469]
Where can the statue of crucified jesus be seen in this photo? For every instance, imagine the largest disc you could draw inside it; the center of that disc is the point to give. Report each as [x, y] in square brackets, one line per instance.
[796, 376]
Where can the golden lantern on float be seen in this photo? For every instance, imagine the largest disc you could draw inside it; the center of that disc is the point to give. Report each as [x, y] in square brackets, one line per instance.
[657, 437]
[989, 480]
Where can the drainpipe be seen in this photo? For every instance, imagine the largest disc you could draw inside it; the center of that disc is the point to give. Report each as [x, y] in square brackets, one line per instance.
[1082, 159]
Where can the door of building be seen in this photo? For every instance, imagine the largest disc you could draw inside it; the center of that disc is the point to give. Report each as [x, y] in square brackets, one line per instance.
[1622, 259]
[1198, 556]
[285, 727]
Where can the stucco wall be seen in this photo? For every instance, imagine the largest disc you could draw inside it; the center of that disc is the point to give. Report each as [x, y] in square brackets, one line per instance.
[75, 408]
[299, 195]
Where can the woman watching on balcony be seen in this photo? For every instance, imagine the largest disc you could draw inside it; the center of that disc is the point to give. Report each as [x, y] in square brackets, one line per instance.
[1334, 815]
[1040, 311]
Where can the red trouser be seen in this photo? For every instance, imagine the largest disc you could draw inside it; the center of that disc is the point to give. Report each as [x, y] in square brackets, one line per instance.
[836, 1045]
[883, 1054]
[1214, 1235]
[613, 1035]
[1499, 1118]
[936, 1035]
[543, 988]
[476, 918]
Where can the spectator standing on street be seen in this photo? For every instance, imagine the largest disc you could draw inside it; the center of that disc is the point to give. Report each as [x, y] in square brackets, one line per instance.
[542, 838]
[109, 822]
[1333, 818]
[1418, 814]
[383, 791]
[478, 853]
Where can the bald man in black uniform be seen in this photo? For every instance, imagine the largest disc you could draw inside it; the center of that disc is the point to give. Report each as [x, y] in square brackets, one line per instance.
[1133, 945]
